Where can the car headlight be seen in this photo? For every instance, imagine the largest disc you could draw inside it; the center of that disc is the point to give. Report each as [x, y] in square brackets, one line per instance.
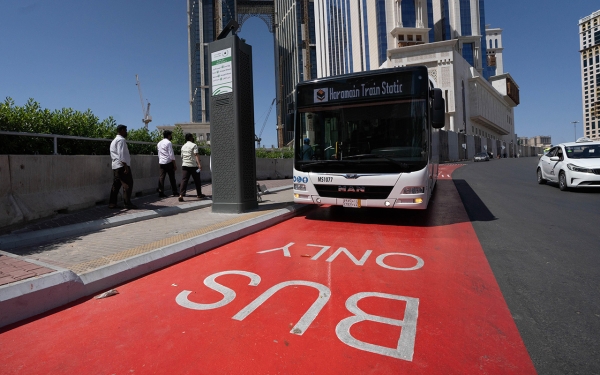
[301, 187]
[577, 168]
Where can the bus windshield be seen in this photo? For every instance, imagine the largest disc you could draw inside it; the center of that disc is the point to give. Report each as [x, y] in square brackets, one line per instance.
[388, 137]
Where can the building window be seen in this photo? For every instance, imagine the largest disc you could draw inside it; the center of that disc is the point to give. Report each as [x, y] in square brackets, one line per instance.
[409, 14]
[468, 53]
[465, 18]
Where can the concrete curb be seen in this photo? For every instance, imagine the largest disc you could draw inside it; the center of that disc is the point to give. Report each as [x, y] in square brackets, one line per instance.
[37, 295]
[12, 241]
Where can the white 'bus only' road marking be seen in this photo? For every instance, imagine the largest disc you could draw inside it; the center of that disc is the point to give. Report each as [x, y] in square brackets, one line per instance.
[379, 260]
[406, 341]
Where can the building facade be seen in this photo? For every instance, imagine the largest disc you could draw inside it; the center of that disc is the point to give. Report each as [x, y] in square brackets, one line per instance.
[589, 49]
[464, 60]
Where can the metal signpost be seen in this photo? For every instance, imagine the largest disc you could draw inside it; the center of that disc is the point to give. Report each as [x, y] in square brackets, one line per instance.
[233, 157]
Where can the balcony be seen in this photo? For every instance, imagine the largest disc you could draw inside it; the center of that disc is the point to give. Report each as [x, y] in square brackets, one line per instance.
[512, 90]
[506, 86]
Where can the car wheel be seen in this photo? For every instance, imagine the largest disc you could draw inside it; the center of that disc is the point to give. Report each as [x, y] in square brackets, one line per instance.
[562, 181]
[540, 178]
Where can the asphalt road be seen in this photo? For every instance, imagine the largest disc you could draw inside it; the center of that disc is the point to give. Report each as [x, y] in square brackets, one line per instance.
[543, 246]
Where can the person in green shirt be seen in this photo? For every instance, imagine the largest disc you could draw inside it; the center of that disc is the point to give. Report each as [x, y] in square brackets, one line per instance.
[191, 166]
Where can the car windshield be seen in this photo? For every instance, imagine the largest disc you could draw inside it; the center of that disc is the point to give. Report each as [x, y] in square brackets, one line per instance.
[482, 154]
[583, 151]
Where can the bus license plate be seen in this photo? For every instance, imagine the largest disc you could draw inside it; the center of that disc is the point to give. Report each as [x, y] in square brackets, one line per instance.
[355, 203]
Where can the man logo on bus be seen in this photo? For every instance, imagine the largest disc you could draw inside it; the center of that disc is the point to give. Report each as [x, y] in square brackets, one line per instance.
[321, 95]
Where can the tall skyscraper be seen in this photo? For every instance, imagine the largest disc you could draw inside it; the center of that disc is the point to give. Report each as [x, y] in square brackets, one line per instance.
[589, 46]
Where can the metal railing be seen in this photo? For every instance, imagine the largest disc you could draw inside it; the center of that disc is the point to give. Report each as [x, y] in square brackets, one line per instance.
[56, 137]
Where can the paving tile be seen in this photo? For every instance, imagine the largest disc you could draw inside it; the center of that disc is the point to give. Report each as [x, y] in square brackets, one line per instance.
[6, 280]
[42, 271]
[8, 269]
[29, 266]
[20, 273]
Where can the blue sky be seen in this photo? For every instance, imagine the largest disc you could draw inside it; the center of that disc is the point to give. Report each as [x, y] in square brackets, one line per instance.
[85, 54]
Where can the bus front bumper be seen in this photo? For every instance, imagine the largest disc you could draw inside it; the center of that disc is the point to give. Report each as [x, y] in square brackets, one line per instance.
[416, 201]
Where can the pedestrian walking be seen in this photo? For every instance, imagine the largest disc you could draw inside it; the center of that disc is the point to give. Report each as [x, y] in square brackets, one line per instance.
[191, 166]
[167, 165]
[119, 153]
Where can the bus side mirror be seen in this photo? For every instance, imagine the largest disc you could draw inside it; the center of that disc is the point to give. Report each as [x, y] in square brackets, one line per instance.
[438, 119]
[289, 123]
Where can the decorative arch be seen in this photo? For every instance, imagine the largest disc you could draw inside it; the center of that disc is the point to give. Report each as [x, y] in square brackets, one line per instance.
[264, 10]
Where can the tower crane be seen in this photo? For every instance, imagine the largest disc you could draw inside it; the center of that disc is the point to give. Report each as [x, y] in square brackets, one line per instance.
[258, 138]
[145, 112]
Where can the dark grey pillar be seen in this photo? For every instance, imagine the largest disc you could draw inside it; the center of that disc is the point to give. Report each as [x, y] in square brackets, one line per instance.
[233, 158]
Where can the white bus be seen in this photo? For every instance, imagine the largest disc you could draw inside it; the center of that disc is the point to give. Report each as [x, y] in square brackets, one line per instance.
[367, 139]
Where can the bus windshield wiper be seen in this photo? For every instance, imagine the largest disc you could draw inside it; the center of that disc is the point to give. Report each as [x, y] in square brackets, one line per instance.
[365, 156]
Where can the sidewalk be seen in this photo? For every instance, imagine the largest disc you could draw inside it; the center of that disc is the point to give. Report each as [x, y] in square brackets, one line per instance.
[52, 262]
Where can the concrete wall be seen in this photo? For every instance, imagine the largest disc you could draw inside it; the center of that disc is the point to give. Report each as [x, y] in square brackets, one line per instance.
[37, 186]
[274, 169]
[9, 211]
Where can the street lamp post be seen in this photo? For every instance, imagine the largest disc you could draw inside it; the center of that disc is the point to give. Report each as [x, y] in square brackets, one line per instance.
[575, 128]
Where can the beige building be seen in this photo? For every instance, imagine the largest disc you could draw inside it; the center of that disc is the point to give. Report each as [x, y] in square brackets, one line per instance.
[537, 141]
[589, 48]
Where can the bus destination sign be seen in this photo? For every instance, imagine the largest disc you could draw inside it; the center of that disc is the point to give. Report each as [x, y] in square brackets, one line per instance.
[369, 88]
[326, 94]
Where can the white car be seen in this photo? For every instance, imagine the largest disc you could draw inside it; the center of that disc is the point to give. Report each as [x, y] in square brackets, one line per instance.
[571, 165]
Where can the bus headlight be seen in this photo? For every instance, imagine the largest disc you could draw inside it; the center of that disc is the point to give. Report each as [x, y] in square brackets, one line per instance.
[299, 187]
[413, 190]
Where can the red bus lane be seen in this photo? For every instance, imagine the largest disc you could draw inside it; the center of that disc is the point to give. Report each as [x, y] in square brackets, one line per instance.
[349, 292]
